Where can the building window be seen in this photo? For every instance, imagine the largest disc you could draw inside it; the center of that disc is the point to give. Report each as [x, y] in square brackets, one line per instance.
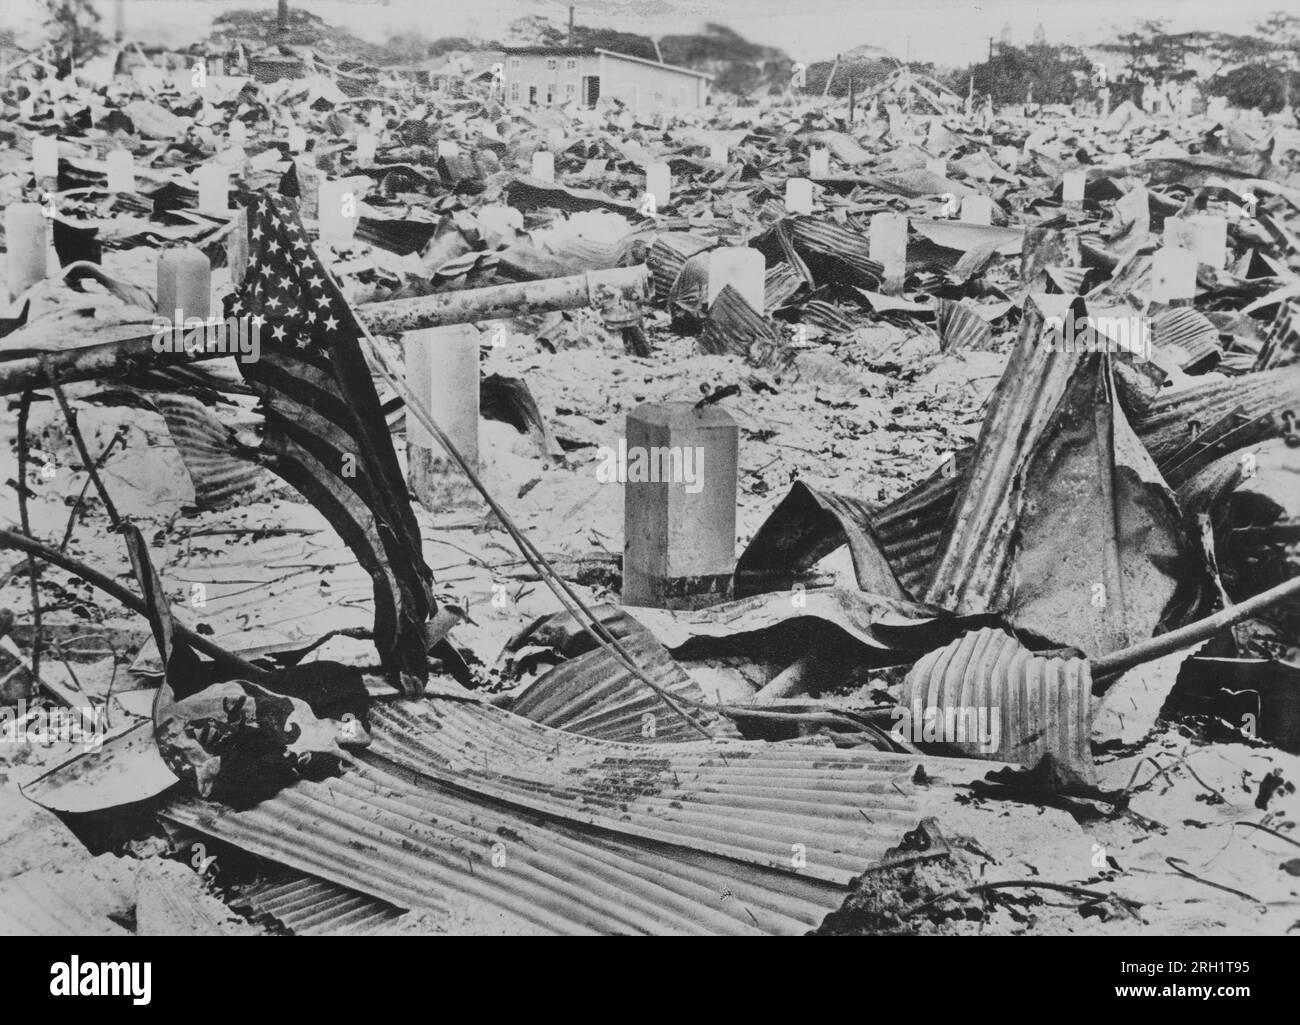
[514, 90]
[571, 64]
[514, 63]
[570, 90]
[550, 64]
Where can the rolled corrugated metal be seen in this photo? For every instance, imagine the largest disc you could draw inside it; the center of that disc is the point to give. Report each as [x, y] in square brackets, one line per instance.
[1041, 705]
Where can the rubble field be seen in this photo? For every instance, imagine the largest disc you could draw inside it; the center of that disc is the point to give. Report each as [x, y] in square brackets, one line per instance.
[1013, 467]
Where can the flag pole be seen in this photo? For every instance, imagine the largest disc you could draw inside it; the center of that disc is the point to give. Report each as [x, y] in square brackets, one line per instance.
[559, 587]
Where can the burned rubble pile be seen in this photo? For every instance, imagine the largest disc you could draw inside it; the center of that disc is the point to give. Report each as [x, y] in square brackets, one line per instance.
[824, 518]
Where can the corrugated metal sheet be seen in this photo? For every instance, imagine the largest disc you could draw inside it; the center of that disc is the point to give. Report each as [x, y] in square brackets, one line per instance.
[960, 327]
[1042, 705]
[690, 290]
[1027, 536]
[911, 527]
[49, 902]
[1165, 425]
[594, 694]
[588, 836]
[1282, 347]
[1099, 557]
[1187, 336]
[780, 283]
[668, 254]
[733, 326]
[206, 447]
[805, 527]
[834, 253]
[313, 907]
[830, 317]
[977, 549]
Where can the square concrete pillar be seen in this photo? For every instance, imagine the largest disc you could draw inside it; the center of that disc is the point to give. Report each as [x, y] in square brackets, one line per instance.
[679, 519]
[442, 372]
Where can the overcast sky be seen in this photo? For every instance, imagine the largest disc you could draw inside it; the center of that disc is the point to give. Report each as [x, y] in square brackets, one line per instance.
[943, 31]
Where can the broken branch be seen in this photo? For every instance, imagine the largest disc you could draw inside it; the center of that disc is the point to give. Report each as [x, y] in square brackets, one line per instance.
[226, 659]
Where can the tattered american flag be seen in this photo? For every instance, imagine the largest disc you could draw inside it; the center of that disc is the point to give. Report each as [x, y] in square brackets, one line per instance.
[325, 433]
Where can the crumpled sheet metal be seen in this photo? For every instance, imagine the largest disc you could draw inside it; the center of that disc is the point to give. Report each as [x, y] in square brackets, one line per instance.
[312, 907]
[219, 473]
[973, 562]
[594, 694]
[960, 328]
[1164, 424]
[911, 527]
[1187, 336]
[833, 253]
[1042, 705]
[590, 836]
[733, 326]
[1099, 557]
[805, 527]
[1282, 346]
[891, 626]
[510, 400]
[528, 193]
[667, 256]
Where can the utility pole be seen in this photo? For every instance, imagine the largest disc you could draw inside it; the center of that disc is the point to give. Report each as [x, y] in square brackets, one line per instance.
[282, 18]
[991, 78]
[570, 24]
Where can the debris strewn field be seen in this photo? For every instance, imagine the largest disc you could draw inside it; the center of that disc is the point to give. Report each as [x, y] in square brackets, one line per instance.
[993, 487]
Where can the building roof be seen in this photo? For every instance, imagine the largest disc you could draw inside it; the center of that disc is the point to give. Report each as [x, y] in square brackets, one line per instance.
[593, 51]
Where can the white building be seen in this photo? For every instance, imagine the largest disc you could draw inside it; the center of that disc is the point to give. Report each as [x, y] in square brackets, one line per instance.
[545, 75]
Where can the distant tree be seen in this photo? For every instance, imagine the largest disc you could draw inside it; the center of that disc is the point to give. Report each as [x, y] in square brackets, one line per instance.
[620, 42]
[454, 44]
[715, 43]
[535, 30]
[863, 71]
[1261, 69]
[1054, 72]
[1281, 33]
[1257, 86]
[1156, 55]
[73, 27]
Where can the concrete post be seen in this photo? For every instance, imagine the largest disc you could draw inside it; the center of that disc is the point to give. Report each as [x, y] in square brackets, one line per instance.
[679, 468]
